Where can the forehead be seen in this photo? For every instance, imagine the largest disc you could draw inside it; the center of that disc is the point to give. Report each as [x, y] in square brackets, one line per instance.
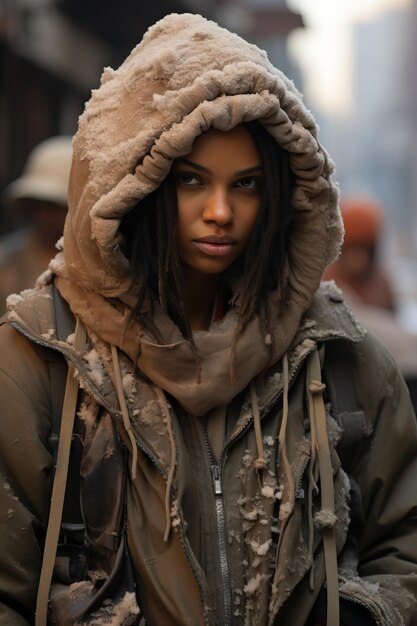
[235, 147]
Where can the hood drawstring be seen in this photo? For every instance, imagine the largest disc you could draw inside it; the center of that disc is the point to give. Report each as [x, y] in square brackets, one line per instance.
[285, 511]
[285, 506]
[123, 408]
[128, 427]
[164, 404]
[312, 480]
[260, 462]
[326, 517]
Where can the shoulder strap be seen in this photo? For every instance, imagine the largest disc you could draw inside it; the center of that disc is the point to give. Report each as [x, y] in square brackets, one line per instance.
[339, 376]
[318, 424]
[59, 486]
[64, 326]
[340, 382]
[58, 370]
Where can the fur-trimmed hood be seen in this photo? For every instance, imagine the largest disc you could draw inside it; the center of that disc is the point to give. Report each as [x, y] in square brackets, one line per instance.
[186, 76]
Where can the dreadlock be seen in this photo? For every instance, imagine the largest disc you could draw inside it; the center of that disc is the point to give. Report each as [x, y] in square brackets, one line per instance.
[149, 231]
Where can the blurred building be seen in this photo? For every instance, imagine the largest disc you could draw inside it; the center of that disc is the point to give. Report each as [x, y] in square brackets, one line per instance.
[52, 53]
[374, 144]
[411, 95]
[265, 22]
[382, 128]
[385, 137]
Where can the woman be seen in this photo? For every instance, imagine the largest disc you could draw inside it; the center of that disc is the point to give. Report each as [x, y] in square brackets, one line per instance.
[222, 482]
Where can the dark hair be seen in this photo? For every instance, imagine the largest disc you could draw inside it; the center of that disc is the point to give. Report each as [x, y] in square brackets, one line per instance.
[149, 233]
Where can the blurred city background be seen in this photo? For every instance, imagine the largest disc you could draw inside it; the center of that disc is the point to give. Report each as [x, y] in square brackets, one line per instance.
[354, 60]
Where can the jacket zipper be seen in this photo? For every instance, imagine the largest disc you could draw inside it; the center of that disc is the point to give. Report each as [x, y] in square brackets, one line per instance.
[221, 534]
[216, 476]
[218, 495]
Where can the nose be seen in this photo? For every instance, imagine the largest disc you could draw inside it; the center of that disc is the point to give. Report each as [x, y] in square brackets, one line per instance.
[217, 207]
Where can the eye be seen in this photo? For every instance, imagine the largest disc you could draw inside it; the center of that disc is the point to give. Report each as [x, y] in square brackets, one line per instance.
[187, 178]
[250, 183]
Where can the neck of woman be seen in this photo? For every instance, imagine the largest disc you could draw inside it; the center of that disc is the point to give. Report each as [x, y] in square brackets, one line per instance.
[200, 295]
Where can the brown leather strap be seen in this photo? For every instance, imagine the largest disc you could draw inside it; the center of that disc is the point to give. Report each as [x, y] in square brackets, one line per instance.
[315, 390]
[60, 481]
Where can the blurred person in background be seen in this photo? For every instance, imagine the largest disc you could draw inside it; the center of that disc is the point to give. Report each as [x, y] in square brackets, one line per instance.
[360, 273]
[40, 196]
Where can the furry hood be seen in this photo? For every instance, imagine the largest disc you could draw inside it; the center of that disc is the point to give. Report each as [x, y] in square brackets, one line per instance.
[185, 76]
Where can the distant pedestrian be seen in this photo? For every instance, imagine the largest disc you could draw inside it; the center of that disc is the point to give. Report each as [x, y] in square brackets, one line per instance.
[359, 270]
[366, 285]
[40, 196]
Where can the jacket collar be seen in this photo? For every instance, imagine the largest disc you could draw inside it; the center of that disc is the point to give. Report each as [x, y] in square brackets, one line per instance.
[328, 317]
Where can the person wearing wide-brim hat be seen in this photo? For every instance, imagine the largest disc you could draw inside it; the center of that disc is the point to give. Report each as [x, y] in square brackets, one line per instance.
[39, 199]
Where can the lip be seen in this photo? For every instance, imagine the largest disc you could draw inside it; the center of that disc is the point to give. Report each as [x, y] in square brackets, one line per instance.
[216, 239]
[215, 245]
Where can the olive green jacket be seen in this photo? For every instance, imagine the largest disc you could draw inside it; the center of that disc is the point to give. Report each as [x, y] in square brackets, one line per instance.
[131, 568]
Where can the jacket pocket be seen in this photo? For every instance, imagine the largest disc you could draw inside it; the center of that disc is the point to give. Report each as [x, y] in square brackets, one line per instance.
[99, 599]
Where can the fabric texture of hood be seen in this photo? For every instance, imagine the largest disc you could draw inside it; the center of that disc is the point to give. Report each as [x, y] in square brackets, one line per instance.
[186, 76]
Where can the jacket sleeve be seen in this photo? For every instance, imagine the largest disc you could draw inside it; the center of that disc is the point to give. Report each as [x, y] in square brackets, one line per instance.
[385, 467]
[25, 464]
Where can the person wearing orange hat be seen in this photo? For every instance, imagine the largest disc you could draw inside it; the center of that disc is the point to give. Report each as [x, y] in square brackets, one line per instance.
[41, 194]
[358, 271]
[366, 286]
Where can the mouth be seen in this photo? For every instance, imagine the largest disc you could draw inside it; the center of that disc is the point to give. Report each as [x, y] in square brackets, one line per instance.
[215, 245]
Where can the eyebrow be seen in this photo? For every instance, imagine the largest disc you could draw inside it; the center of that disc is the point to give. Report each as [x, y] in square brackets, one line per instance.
[201, 168]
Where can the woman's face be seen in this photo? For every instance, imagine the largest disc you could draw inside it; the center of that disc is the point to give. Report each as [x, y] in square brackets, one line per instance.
[219, 187]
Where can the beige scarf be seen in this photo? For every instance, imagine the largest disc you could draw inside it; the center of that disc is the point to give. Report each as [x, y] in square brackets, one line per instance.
[172, 363]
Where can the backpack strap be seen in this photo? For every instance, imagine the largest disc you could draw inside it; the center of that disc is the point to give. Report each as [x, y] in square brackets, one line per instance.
[340, 383]
[317, 413]
[57, 366]
[59, 485]
[339, 367]
[58, 369]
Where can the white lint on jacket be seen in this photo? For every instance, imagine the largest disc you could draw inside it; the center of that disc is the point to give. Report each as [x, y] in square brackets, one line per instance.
[95, 366]
[88, 415]
[121, 613]
[129, 386]
[260, 549]
[253, 585]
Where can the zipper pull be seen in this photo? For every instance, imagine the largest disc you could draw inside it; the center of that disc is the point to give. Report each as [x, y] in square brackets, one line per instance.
[217, 484]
